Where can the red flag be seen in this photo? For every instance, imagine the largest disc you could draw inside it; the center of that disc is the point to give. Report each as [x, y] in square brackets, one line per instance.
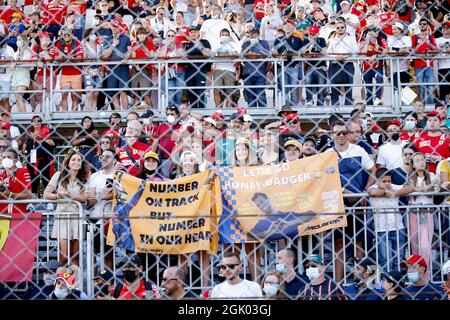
[18, 244]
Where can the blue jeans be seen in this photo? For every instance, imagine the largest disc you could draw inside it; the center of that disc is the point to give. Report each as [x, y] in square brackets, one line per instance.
[291, 78]
[368, 77]
[425, 75]
[175, 95]
[388, 246]
[316, 76]
[256, 97]
[341, 73]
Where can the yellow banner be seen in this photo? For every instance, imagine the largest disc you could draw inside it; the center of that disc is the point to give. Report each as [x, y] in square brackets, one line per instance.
[270, 202]
[172, 217]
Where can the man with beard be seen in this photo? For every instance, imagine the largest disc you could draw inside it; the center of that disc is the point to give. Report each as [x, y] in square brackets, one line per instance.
[234, 286]
[173, 283]
[363, 287]
[309, 146]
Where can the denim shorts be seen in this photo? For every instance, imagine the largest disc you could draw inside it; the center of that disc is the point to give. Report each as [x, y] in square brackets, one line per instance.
[89, 81]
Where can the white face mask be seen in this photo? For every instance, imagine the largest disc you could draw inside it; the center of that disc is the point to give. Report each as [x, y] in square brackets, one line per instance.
[145, 121]
[224, 39]
[270, 289]
[170, 119]
[19, 43]
[312, 273]
[93, 37]
[364, 124]
[96, 22]
[410, 124]
[7, 163]
[253, 40]
[142, 37]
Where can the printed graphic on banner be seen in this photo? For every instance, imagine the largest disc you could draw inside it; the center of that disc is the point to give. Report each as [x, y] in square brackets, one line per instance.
[171, 217]
[18, 244]
[271, 202]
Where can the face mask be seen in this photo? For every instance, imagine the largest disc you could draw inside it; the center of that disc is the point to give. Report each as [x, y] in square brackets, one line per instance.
[102, 289]
[270, 289]
[395, 136]
[312, 273]
[130, 275]
[280, 35]
[142, 37]
[410, 125]
[61, 293]
[170, 119]
[364, 124]
[96, 22]
[145, 121]
[224, 39]
[281, 268]
[49, 279]
[19, 43]
[7, 163]
[93, 37]
[150, 172]
[413, 276]
[253, 41]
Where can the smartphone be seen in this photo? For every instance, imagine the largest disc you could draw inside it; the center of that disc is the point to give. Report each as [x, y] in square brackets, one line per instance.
[109, 183]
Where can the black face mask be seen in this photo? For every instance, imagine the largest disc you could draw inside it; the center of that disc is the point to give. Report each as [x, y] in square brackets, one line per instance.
[395, 136]
[102, 289]
[130, 275]
[150, 172]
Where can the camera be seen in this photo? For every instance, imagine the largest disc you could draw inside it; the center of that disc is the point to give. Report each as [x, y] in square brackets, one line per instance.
[161, 34]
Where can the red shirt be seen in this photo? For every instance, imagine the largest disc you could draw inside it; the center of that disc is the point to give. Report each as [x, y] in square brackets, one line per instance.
[80, 9]
[372, 50]
[18, 183]
[386, 20]
[137, 150]
[6, 15]
[259, 4]
[181, 39]
[404, 136]
[53, 14]
[282, 4]
[125, 293]
[68, 50]
[143, 51]
[358, 8]
[408, 15]
[437, 146]
[38, 50]
[44, 132]
[420, 45]
[166, 144]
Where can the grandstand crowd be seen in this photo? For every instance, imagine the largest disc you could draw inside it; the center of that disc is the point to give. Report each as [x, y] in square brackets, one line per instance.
[395, 165]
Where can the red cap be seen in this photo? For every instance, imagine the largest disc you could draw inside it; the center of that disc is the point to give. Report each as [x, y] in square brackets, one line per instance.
[314, 29]
[44, 34]
[116, 23]
[67, 278]
[5, 126]
[241, 110]
[217, 114]
[291, 21]
[416, 259]
[291, 116]
[433, 113]
[396, 122]
[446, 24]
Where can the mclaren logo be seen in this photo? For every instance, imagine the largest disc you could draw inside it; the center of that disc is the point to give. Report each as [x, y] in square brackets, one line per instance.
[325, 224]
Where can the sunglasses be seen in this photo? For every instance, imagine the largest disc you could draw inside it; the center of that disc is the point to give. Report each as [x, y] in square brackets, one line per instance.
[105, 157]
[105, 142]
[67, 35]
[423, 24]
[293, 122]
[229, 266]
[37, 121]
[168, 279]
[338, 133]
[408, 154]
[170, 36]
[340, 28]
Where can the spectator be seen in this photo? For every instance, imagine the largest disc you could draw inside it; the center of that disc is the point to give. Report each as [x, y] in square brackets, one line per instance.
[20, 80]
[443, 43]
[234, 287]
[103, 285]
[92, 75]
[176, 71]
[68, 184]
[259, 12]
[188, 164]
[268, 151]
[161, 24]
[54, 13]
[117, 46]
[364, 286]
[86, 141]
[65, 288]
[410, 126]
[133, 284]
[373, 44]
[149, 127]
[42, 290]
[446, 275]
[424, 42]
[401, 43]
[309, 146]
[389, 228]
[273, 286]
[39, 147]
[434, 144]
[211, 29]
[254, 73]
[9, 10]
[269, 24]
[420, 288]
[319, 288]
[113, 131]
[390, 153]
[355, 137]
[442, 110]
[400, 175]
[419, 108]
[316, 71]
[285, 264]
[351, 19]
[224, 73]
[132, 153]
[340, 71]
[6, 73]
[173, 282]
[196, 72]
[394, 285]
[373, 134]
[15, 29]
[150, 168]
[293, 150]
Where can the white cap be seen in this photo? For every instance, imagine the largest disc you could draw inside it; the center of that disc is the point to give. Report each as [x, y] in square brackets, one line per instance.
[210, 120]
[446, 268]
[345, 2]
[246, 117]
[398, 25]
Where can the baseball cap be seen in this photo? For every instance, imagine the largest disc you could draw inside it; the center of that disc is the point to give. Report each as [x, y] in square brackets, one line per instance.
[44, 34]
[235, 116]
[148, 114]
[446, 24]
[241, 110]
[194, 27]
[398, 25]
[242, 140]
[105, 275]
[247, 118]
[153, 155]
[291, 116]
[210, 120]
[345, 2]
[395, 122]
[365, 263]
[294, 143]
[116, 23]
[304, 25]
[68, 279]
[16, 15]
[416, 259]
[133, 259]
[173, 108]
[314, 29]
[300, 7]
[433, 113]
[317, 258]
[395, 277]
[311, 138]
[217, 114]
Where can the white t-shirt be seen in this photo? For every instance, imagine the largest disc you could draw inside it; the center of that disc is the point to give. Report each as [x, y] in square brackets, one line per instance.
[244, 289]
[6, 53]
[211, 29]
[386, 219]
[390, 155]
[423, 199]
[267, 33]
[15, 133]
[158, 26]
[98, 181]
[226, 49]
[443, 44]
[400, 43]
[347, 44]
[354, 151]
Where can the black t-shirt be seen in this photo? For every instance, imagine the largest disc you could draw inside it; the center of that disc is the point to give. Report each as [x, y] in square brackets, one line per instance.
[426, 292]
[327, 290]
[294, 288]
[193, 50]
[317, 47]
